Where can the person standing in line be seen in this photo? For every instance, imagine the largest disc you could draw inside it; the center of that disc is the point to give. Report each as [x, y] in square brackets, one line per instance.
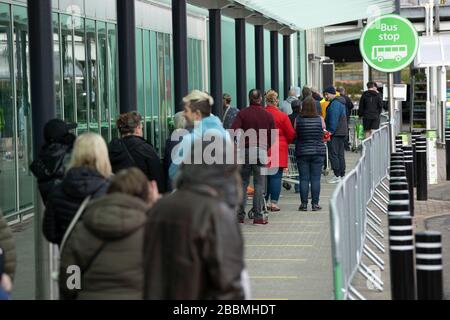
[49, 168]
[286, 135]
[229, 113]
[171, 143]
[286, 106]
[370, 108]
[88, 175]
[107, 243]
[307, 92]
[132, 150]
[193, 247]
[198, 114]
[349, 107]
[336, 123]
[310, 151]
[254, 118]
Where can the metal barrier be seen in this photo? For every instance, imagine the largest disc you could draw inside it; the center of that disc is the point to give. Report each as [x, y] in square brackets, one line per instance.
[349, 217]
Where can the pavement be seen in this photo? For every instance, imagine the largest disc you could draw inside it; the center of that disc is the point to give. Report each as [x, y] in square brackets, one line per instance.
[290, 258]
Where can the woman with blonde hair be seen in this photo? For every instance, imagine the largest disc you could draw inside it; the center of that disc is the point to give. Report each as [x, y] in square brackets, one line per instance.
[87, 175]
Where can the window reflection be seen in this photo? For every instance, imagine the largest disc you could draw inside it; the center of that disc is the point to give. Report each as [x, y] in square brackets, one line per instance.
[23, 115]
[7, 147]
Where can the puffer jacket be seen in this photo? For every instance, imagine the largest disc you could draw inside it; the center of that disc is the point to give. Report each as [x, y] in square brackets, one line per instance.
[193, 247]
[143, 156]
[8, 246]
[309, 137]
[67, 197]
[107, 245]
[49, 167]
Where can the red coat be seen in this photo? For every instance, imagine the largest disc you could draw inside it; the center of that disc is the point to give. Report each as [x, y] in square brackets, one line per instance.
[286, 135]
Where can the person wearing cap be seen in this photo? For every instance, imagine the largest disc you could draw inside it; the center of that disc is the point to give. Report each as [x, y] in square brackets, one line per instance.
[229, 113]
[336, 122]
[49, 167]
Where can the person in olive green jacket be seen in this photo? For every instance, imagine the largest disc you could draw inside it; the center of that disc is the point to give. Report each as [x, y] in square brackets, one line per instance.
[9, 252]
[107, 243]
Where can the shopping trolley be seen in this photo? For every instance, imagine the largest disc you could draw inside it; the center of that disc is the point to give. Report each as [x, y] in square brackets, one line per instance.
[291, 176]
[354, 122]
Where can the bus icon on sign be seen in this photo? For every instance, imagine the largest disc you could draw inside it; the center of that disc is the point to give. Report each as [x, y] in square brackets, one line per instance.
[397, 53]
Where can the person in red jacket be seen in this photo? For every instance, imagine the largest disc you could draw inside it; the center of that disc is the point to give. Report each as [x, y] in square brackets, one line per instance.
[279, 152]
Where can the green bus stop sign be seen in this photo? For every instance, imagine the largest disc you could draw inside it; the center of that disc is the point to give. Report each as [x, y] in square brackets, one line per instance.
[389, 43]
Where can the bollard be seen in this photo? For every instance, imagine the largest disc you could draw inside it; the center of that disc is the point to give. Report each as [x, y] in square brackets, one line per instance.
[447, 151]
[414, 136]
[422, 169]
[398, 143]
[398, 196]
[429, 266]
[409, 164]
[401, 250]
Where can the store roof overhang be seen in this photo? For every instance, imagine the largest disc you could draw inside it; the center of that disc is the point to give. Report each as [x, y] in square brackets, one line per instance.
[306, 14]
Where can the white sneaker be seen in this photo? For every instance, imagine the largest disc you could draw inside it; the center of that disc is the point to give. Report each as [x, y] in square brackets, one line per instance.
[334, 180]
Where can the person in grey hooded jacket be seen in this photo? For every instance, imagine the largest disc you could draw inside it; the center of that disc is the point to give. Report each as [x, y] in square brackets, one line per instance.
[286, 105]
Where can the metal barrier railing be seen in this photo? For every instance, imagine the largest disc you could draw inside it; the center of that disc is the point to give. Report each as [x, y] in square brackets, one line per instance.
[349, 214]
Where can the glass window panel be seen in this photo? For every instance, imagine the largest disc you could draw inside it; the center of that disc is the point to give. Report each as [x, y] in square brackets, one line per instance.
[68, 70]
[168, 75]
[57, 65]
[139, 72]
[162, 87]
[23, 106]
[102, 80]
[7, 141]
[155, 89]
[92, 80]
[113, 78]
[147, 86]
[83, 116]
[72, 6]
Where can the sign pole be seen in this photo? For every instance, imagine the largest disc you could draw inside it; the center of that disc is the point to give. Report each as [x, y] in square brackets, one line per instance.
[392, 119]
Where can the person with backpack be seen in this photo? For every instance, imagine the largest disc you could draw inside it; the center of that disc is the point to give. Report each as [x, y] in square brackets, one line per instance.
[132, 150]
[370, 108]
[49, 167]
[88, 175]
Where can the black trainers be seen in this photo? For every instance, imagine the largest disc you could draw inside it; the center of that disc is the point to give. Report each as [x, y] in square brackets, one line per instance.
[316, 207]
[303, 207]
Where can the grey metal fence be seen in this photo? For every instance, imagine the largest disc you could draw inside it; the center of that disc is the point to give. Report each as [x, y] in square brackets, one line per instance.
[349, 214]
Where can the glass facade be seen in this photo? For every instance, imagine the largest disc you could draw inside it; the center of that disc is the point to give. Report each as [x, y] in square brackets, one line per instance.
[86, 83]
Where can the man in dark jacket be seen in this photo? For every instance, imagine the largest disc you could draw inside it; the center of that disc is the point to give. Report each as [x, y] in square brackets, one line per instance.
[193, 247]
[336, 122]
[132, 150]
[256, 118]
[370, 108]
[229, 113]
[49, 167]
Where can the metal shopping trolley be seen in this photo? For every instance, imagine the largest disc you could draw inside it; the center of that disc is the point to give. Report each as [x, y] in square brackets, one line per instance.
[291, 176]
[354, 122]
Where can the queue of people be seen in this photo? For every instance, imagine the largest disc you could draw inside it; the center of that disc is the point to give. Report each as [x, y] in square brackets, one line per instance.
[107, 210]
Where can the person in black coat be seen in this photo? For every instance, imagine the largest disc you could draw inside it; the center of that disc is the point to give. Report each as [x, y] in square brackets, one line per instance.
[52, 159]
[88, 176]
[131, 150]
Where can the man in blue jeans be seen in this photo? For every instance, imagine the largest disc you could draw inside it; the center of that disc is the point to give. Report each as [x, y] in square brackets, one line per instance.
[336, 122]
